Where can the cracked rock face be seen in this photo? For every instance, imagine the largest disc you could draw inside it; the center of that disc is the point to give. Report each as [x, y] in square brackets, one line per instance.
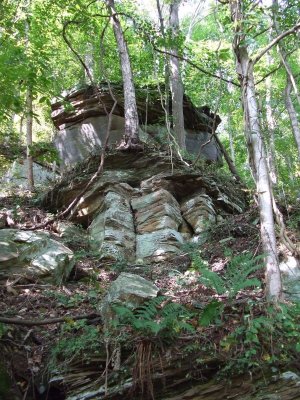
[143, 208]
[33, 255]
[82, 128]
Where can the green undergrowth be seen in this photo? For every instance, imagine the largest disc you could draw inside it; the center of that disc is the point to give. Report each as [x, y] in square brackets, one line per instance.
[235, 325]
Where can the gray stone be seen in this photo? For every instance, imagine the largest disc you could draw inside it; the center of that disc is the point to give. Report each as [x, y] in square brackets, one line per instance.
[290, 376]
[128, 290]
[83, 129]
[199, 212]
[33, 255]
[155, 211]
[71, 234]
[132, 209]
[75, 142]
[112, 230]
[290, 272]
[229, 203]
[204, 144]
[17, 174]
[158, 245]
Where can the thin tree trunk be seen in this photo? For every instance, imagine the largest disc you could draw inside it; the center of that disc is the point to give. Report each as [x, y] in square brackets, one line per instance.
[89, 62]
[29, 138]
[175, 80]
[167, 60]
[21, 127]
[271, 127]
[232, 152]
[282, 51]
[29, 118]
[292, 114]
[257, 157]
[131, 134]
[263, 185]
[290, 82]
[230, 163]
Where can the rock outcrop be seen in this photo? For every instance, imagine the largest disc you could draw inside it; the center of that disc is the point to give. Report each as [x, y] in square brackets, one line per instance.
[144, 206]
[33, 255]
[129, 290]
[17, 174]
[290, 273]
[82, 120]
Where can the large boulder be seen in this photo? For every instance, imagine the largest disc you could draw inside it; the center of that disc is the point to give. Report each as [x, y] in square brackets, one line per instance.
[290, 272]
[33, 255]
[158, 245]
[128, 290]
[155, 211]
[112, 230]
[199, 212]
[82, 126]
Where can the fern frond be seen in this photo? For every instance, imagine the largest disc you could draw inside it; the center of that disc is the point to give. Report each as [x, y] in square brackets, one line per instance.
[149, 309]
[211, 312]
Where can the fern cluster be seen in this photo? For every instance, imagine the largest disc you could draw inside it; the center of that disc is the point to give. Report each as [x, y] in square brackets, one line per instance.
[236, 276]
[154, 318]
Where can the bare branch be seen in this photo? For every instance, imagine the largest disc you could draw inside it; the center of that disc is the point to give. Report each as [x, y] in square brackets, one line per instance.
[35, 322]
[64, 33]
[290, 31]
[268, 74]
[204, 71]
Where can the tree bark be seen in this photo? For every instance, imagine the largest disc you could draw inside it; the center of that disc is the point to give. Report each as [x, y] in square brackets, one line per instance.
[89, 62]
[167, 61]
[230, 134]
[175, 79]
[131, 134]
[29, 118]
[29, 138]
[290, 82]
[292, 114]
[258, 163]
[271, 128]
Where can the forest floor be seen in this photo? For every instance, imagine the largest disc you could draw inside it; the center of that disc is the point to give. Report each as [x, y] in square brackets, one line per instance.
[32, 352]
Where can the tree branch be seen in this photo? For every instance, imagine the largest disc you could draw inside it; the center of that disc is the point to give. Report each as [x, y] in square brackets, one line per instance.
[47, 321]
[294, 29]
[204, 71]
[268, 74]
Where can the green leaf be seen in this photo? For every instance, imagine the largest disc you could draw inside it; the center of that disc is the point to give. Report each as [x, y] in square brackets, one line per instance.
[211, 312]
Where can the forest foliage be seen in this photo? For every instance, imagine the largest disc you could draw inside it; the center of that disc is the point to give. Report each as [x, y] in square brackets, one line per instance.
[43, 60]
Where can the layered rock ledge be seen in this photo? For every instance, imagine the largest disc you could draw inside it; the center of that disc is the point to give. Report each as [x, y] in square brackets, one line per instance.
[81, 120]
[144, 206]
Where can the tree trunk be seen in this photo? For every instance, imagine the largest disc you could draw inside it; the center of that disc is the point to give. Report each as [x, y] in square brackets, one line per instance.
[89, 62]
[244, 67]
[261, 173]
[29, 118]
[271, 127]
[29, 138]
[230, 134]
[290, 82]
[167, 61]
[131, 134]
[175, 79]
[292, 114]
